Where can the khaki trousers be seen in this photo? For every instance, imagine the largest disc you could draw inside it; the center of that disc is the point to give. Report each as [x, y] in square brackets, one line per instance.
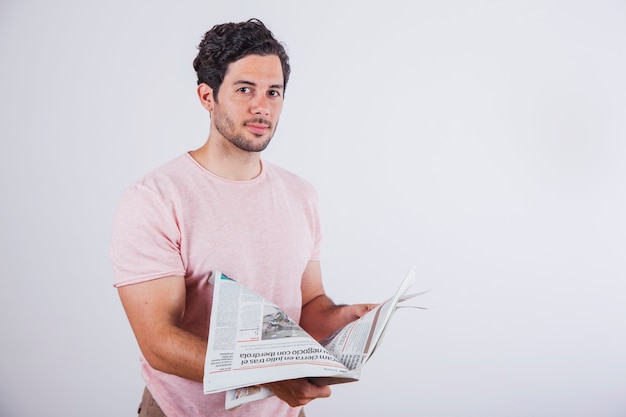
[150, 408]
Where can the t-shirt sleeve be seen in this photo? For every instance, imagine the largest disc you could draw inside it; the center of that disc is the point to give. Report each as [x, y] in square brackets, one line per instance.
[145, 242]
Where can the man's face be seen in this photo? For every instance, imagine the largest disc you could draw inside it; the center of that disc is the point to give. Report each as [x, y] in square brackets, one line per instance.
[249, 102]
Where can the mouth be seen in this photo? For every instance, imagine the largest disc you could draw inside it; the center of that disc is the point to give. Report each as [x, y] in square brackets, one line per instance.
[258, 128]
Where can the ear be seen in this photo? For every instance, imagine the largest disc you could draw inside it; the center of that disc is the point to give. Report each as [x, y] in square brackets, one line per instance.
[205, 94]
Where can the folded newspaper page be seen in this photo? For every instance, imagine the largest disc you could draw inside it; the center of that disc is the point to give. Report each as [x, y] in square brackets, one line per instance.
[252, 342]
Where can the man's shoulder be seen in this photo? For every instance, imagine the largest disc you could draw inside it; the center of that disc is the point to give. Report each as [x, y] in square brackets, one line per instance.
[173, 170]
[163, 181]
[287, 176]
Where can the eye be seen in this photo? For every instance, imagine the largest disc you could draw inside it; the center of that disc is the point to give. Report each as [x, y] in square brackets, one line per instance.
[244, 90]
[274, 93]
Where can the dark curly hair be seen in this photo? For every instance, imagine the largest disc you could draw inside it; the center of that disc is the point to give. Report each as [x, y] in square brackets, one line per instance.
[229, 42]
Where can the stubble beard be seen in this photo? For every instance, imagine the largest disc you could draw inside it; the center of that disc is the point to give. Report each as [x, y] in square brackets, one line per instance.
[226, 127]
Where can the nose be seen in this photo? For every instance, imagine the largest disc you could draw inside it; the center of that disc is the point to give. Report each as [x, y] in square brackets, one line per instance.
[260, 106]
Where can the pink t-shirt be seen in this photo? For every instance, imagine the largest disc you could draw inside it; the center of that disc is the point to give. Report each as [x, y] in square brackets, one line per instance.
[182, 220]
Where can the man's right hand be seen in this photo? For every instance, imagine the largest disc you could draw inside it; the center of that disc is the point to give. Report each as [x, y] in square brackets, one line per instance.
[297, 392]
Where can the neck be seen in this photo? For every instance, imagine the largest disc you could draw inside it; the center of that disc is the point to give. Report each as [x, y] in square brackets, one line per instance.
[228, 162]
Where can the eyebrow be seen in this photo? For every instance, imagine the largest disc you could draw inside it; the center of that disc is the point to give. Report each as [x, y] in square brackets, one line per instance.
[245, 82]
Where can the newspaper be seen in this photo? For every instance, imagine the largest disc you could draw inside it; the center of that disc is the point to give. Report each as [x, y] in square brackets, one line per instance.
[252, 342]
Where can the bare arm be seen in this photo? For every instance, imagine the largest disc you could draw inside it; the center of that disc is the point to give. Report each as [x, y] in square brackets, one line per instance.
[155, 309]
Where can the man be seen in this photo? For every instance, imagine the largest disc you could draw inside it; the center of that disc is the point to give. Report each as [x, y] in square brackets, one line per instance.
[221, 207]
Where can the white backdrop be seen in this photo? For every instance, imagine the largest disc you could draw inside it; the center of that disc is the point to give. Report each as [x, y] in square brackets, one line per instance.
[483, 142]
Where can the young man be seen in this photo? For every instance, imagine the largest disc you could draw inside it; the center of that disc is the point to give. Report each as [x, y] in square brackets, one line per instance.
[221, 207]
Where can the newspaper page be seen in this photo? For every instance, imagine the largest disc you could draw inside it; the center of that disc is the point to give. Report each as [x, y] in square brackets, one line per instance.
[354, 343]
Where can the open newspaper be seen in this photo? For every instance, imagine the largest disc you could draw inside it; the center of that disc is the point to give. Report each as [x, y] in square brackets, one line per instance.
[252, 342]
